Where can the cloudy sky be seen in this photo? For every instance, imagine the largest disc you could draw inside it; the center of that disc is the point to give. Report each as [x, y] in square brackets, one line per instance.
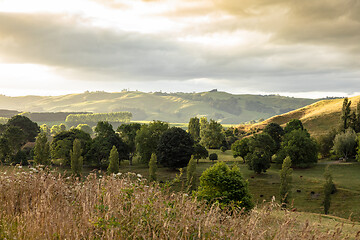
[299, 48]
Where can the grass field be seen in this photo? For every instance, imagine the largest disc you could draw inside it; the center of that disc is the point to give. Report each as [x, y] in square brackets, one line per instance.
[345, 202]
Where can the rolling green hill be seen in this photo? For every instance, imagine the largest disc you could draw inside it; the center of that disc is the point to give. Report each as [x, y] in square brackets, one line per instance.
[171, 107]
[318, 118]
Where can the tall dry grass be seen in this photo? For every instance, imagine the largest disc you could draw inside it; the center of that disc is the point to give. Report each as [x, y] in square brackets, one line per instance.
[50, 206]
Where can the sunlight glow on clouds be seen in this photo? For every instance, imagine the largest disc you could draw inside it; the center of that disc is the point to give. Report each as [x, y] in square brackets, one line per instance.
[293, 47]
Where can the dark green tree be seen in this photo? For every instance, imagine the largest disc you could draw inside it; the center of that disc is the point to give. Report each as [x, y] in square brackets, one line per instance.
[346, 114]
[29, 128]
[106, 138]
[194, 128]
[128, 134]
[42, 150]
[15, 138]
[153, 167]
[300, 148]
[276, 132]
[175, 148]
[294, 124]
[285, 181]
[4, 149]
[240, 148]
[258, 160]
[221, 184]
[147, 139]
[200, 152]
[76, 158]
[213, 157]
[85, 128]
[212, 135]
[326, 143]
[113, 161]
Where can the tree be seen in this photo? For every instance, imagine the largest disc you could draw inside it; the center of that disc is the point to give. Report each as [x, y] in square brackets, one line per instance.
[4, 149]
[42, 150]
[213, 157]
[62, 127]
[346, 114]
[128, 134]
[29, 128]
[55, 129]
[76, 158]
[106, 138]
[221, 184]
[85, 128]
[240, 148]
[212, 135]
[200, 152]
[175, 148]
[113, 161]
[276, 132]
[194, 128]
[258, 160]
[63, 142]
[15, 137]
[294, 124]
[285, 180]
[328, 189]
[262, 142]
[326, 143]
[190, 172]
[147, 139]
[298, 145]
[152, 167]
[345, 143]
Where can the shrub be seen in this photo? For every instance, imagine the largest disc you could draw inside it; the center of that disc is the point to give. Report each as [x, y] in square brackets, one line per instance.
[213, 156]
[152, 167]
[223, 148]
[285, 180]
[76, 158]
[221, 184]
[190, 172]
[113, 161]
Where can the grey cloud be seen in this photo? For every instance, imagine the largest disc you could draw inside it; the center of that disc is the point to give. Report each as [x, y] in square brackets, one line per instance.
[71, 45]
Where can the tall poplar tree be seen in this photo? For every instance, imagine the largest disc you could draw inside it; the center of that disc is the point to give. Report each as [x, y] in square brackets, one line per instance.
[76, 158]
[113, 161]
[42, 150]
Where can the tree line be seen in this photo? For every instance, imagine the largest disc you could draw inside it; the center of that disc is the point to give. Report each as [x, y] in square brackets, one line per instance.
[98, 117]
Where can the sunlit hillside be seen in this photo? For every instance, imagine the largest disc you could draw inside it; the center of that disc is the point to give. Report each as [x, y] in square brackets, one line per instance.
[171, 107]
[318, 118]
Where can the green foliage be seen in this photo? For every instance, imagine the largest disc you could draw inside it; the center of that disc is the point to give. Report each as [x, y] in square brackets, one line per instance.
[294, 124]
[194, 128]
[221, 184]
[55, 129]
[298, 145]
[213, 157]
[76, 158]
[20, 158]
[326, 143]
[262, 142]
[223, 149]
[276, 132]
[175, 148]
[346, 114]
[63, 142]
[190, 172]
[4, 149]
[258, 160]
[153, 167]
[99, 117]
[45, 129]
[128, 133]
[113, 161]
[42, 150]
[85, 128]
[200, 152]
[285, 180]
[102, 144]
[212, 135]
[30, 128]
[3, 120]
[147, 139]
[329, 187]
[240, 148]
[15, 138]
[345, 143]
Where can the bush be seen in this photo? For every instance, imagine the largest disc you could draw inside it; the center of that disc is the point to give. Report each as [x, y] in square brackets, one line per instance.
[213, 156]
[221, 184]
[223, 148]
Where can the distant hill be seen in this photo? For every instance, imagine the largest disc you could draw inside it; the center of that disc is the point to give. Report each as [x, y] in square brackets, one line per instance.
[318, 118]
[171, 107]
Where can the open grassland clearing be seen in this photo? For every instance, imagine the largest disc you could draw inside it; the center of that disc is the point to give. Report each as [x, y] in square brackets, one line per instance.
[52, 206]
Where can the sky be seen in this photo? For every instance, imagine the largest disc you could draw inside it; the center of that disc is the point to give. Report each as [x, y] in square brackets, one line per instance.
[294, 48]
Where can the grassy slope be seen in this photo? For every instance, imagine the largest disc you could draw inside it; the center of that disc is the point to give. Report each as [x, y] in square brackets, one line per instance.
[318, 117]
[178, 107]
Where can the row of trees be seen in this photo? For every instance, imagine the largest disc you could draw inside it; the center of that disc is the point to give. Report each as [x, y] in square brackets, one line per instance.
[276, 143]
[99, 117]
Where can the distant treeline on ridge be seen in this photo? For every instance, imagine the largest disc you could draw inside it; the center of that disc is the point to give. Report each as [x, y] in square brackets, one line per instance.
[98, 117]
